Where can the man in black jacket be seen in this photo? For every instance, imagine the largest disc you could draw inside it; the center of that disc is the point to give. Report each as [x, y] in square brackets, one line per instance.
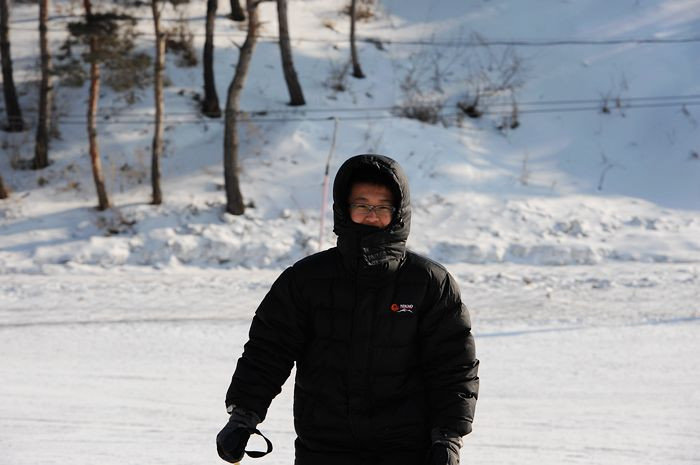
[386, 368]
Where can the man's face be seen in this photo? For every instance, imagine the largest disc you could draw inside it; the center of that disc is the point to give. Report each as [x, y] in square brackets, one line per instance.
[363, 200]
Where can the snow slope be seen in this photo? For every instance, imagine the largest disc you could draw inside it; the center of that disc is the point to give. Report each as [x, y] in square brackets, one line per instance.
[567, 187]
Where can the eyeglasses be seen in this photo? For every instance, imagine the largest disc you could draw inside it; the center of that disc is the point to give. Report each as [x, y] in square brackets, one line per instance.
[379, 210]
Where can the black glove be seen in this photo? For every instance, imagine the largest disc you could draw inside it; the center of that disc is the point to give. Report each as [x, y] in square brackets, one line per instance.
[445, 448]
[232, 439]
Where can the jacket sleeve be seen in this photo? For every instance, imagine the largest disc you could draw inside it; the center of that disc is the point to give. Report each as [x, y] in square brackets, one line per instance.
[448, 361]
[276, 339]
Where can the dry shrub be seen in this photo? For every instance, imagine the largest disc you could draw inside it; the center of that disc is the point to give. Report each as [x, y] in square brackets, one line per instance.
[125, 68]
[492, 77]
[364, 10]
[338, 77]
[179, 41]
[421, 101]
[429, 111]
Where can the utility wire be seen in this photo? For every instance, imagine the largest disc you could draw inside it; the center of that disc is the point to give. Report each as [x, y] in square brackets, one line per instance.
[142, 120]
[670, 99]
[380, 42]
[539, 43]
[480, 42]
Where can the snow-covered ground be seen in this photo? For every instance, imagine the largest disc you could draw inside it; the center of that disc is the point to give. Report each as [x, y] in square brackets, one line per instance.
[575, 238]
[594, 366]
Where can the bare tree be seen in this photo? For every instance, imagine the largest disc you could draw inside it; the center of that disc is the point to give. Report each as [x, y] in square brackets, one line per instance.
[356, 69]
[102, 200]
[234, 198]
[41, 146]
[4, 194]
[237, 13]
[15, 123]
[210, 103]
[296, 96]
[157, 145]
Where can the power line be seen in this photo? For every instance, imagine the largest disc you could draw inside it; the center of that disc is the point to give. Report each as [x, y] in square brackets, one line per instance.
[469, 43]
[377, 41]
[622, 107]
[670, 100]
[541, 43]
[626, 99]
[142, 120]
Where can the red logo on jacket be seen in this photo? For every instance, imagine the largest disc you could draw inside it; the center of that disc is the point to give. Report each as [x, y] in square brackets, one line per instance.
[401, 308]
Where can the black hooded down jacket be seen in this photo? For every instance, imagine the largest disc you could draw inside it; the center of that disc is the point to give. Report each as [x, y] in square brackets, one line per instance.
[380, 337]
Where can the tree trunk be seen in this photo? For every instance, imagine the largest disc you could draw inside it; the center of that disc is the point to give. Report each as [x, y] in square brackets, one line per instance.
[296, 96]
[15, 123]
[102, 200]
[356, 69]
[237, 13]
[41, 146]
[4, 194]
[157, 145]
[210, 104]
[234, 199]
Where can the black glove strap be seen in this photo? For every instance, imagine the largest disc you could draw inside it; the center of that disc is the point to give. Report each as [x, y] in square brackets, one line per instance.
[256, 453]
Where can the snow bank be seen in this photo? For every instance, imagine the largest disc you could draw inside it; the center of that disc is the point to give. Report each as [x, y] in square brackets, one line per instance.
[529, 233]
